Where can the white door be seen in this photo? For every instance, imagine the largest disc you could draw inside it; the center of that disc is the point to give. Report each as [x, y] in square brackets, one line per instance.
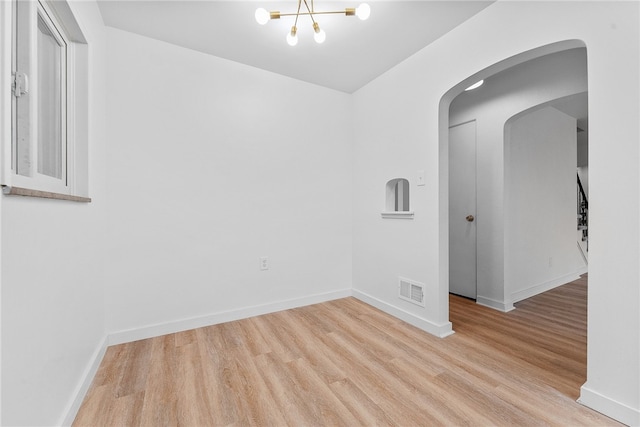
[462, 210]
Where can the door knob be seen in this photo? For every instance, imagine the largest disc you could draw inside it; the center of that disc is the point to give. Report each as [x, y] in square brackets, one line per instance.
[470, 218]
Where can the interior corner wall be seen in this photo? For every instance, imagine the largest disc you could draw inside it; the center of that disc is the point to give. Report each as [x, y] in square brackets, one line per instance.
[540, 202]
[398, 132]
[53, 275]
[213, 165]
[504, 95]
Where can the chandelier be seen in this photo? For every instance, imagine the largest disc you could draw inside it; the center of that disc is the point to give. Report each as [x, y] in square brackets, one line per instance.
[263, 16]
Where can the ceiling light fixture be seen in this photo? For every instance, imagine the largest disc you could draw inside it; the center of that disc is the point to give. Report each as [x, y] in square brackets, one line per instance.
[263, 16]
[475, 85]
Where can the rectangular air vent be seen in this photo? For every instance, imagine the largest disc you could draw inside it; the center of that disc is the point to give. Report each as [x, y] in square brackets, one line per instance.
[411, 291]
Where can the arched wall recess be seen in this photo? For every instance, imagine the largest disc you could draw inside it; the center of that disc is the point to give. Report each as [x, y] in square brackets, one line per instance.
[397, 200]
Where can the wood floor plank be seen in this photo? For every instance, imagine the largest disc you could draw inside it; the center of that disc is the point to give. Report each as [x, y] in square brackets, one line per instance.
[98, 407]
[346, 363]
[323, 406]
[252, 395]
[126, 411]
[394, 395]
[285, 391]
[253, 339]
[185, 338]
[215, 365]
[365, 410]
[133, 365]
[317, 354]
[160, 403]
[192, 405]
[281, 344]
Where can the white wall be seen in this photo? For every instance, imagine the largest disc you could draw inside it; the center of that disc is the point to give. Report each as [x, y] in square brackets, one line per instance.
[53, 277]
[505, 94]
[401, 128]
[583, 160]
[213, 164]
[540, 203]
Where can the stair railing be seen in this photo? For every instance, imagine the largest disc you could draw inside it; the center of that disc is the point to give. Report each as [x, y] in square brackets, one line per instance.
[583, 213]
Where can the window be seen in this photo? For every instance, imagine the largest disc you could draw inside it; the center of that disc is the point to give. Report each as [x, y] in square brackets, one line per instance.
[47, 65]
[397, 199]
[52, 99]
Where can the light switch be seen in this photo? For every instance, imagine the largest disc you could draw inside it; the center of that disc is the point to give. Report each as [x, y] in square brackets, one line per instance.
[420, 178]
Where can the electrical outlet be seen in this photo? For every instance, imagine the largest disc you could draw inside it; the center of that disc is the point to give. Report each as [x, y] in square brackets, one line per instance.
[264, 263]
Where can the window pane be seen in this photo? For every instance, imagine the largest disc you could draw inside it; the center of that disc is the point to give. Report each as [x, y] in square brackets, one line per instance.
[50, 87]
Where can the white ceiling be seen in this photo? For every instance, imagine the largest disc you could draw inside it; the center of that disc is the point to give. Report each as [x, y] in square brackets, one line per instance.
[576, 106]
[354, 53]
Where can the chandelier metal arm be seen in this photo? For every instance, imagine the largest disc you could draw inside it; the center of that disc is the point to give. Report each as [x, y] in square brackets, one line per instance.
[347, 12]
[297, 13]
[310, 13]
[262, 16]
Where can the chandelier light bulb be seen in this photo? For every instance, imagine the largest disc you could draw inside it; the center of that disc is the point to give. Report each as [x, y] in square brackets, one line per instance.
[292, 37]
[319, 36]
[363, 11]
[262, 16]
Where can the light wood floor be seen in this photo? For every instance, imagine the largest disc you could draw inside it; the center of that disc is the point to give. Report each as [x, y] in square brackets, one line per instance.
[346, 363]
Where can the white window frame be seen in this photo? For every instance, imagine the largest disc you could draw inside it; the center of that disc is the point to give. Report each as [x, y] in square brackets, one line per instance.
[22, 32]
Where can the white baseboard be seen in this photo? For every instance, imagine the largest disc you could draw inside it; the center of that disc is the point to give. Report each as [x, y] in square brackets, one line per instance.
[496, 305]
[156, 330]
[609, 407]
[543, 287]
[441, 331]
[583, 270]
[83, 387]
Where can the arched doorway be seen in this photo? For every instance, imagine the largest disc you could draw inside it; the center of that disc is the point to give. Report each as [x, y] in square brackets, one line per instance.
[532, 78]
